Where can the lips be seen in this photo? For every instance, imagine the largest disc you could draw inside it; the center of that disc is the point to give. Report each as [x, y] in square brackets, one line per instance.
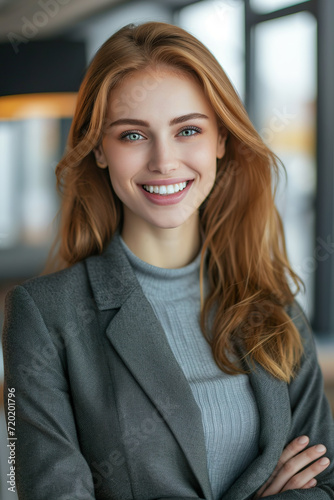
[165, 198]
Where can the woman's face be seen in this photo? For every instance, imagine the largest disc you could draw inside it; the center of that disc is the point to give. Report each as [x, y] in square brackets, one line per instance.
[160, 145]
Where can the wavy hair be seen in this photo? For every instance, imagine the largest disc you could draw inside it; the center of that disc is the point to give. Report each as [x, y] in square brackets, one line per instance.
[244, 245]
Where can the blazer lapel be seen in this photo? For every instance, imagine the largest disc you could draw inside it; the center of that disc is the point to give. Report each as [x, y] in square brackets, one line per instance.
[138, 337]
[275, 417]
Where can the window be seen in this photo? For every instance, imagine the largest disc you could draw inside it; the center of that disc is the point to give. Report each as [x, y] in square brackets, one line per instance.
[271, 5]
[285, 94]
[220, 26]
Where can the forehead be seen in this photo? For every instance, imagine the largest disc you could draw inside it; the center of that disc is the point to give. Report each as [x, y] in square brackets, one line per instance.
[158, 73]
[163, 90]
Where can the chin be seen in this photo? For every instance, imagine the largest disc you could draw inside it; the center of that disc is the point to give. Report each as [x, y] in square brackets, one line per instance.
[169, 222]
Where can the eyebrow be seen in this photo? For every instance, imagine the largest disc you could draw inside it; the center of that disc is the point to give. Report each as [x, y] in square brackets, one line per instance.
[174, 121]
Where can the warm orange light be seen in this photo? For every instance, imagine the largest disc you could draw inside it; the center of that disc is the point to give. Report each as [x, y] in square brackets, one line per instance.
[18, 107]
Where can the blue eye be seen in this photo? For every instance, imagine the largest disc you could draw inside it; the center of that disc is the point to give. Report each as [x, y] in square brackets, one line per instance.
[187, 132]
[131, 136]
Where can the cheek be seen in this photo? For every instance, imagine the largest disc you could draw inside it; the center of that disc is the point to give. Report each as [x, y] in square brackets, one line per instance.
[203, 160]
[203, 152]
[123, 166]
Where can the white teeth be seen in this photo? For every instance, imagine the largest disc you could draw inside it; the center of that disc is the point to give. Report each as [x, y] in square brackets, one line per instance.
[167, 189]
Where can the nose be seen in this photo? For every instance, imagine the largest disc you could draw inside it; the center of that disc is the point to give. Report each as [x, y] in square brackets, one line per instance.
[162, 158]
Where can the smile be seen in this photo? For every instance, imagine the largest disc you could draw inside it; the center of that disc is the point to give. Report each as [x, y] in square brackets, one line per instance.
[165, 190]
[166, 194]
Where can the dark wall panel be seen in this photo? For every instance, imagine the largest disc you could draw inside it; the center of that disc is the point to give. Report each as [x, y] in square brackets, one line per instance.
[41, 66]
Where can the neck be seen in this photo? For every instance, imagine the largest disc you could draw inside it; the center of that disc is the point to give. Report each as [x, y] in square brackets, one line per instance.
[170, 248]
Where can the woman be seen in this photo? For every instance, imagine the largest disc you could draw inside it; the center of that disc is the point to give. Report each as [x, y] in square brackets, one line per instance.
[168, 358]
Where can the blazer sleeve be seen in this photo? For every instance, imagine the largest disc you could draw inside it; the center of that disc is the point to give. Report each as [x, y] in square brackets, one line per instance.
[48, 459]
[311, 413]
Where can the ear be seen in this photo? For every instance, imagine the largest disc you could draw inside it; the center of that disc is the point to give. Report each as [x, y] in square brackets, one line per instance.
[100, 158]
[222, 136]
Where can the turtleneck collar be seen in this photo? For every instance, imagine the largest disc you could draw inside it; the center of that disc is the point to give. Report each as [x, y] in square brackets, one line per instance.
[165, 283]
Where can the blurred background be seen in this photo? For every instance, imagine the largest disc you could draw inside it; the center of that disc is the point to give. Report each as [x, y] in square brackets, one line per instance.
[279, 55]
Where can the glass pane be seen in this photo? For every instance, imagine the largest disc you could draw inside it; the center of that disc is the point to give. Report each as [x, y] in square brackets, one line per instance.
[271, 5]
[38, 195]
[28, 198]
[285, 103]
[31, 127]
[9, 177]
[220, 26]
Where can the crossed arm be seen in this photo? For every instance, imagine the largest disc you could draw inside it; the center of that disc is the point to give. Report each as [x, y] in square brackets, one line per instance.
[295, 475]
[297, 468]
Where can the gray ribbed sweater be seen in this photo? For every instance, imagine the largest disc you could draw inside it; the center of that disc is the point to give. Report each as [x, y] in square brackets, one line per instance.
[229, 412]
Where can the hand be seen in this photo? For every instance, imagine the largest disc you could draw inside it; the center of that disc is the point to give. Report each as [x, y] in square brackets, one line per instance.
[288, 474]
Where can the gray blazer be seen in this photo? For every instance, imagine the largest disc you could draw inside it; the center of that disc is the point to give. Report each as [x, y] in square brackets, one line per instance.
[104, 411]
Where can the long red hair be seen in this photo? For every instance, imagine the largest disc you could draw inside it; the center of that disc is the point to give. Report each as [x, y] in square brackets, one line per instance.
[247, 263]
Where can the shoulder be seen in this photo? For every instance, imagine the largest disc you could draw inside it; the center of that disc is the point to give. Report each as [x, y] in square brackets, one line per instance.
[60, 284]
[308, 373]
[55, 296]
[298, 317]
[97, 282]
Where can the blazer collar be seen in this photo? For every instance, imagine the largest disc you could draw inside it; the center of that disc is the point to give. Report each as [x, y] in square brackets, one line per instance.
[111, 276]
[138, 337]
